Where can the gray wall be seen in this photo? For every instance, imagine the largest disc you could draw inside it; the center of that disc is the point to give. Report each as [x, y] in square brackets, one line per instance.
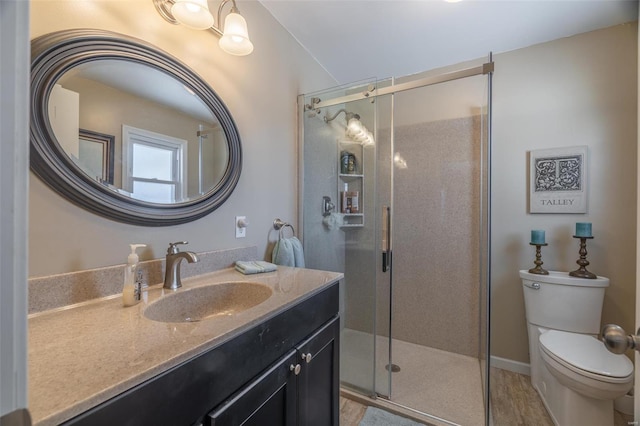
[324, 247]
[580, 90]
[259, 90]
[14, 156]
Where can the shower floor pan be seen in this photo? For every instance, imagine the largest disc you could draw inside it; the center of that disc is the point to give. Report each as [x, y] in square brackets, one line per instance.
[442, 384]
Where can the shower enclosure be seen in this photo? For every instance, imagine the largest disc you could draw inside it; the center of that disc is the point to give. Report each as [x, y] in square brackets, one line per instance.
[394, 193]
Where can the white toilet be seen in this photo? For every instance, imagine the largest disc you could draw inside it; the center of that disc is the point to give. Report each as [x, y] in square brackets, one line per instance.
[576, 376]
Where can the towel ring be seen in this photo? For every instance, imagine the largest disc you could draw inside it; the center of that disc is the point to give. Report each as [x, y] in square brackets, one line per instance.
[279, 225]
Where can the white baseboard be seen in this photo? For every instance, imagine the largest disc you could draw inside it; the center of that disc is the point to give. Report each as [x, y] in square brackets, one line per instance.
[511, 365]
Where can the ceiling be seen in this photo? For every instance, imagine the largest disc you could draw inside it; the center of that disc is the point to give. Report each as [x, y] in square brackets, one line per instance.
[358, 39]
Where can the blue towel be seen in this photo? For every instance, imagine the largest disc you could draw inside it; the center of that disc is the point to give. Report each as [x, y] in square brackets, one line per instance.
[283, 253]
[288, 252]
[254, 267]
[298, 254]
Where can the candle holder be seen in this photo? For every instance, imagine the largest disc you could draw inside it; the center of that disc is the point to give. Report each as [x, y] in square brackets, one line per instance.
[582, 272]
[538, 269]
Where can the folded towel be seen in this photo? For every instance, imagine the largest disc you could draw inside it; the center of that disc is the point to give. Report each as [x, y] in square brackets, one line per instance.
[288, 252]
[254, 267]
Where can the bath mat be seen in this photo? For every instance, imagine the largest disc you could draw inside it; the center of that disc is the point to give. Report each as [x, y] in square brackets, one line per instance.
[377, 417]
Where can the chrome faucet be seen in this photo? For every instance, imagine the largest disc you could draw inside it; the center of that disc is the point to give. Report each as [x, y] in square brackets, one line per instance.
[172, 264]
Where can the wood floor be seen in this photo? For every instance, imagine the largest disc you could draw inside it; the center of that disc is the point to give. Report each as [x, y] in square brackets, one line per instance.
[351, 412]
[514, 402]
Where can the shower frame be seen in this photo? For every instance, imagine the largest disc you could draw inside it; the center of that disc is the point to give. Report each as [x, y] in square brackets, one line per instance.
[373, 92]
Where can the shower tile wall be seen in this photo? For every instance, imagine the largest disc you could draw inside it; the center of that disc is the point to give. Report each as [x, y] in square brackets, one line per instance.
[361, 252]
[324, 247]
[436, 235]
[336, 248]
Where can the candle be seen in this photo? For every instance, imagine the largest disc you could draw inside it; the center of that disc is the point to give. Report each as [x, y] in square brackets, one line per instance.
[537, 237]
[583, 229]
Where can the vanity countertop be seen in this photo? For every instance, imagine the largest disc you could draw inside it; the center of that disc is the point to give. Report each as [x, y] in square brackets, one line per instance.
[82, 356]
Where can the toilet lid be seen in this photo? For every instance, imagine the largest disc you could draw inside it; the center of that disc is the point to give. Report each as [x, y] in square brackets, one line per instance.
[586, 353]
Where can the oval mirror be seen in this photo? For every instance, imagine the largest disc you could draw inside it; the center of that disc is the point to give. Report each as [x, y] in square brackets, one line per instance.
[125, 130]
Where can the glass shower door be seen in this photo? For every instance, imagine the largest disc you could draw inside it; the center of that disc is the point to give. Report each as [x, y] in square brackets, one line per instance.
[341, 223]
[438, 295]
[404, 214]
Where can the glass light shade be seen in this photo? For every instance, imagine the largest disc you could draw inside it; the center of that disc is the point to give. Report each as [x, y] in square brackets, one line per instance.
[370, 140]
[354, 125]
[193, 14]
[236, 37]
[356, 135]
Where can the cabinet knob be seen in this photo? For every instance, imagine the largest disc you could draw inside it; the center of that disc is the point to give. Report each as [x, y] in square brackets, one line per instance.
[295, 368]
[307, 357]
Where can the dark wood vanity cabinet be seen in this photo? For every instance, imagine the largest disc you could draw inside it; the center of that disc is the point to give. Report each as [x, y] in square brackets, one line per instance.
[248, 380]
[270, 399]
[319, 378]
[299, 389]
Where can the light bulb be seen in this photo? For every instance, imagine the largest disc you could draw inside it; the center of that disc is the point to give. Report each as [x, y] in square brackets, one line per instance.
[354, 125]
[193, 8]
[369, 140]
[193, 14]
[360, 135]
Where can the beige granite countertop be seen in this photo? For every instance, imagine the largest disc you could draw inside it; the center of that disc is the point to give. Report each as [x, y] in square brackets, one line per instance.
[85, 355]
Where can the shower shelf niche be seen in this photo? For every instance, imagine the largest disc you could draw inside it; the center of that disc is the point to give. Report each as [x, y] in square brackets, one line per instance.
[355, 182]
[353, 220]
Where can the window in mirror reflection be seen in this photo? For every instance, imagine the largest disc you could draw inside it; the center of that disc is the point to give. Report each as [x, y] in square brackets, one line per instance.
[153, 166]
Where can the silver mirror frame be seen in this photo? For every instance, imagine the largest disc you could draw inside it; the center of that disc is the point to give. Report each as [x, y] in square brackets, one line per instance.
[55, 53]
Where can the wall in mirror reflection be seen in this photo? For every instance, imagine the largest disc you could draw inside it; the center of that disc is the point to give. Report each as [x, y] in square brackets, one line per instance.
[173, 156]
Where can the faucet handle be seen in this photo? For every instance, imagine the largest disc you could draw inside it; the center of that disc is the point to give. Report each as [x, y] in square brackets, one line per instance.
[173, 247]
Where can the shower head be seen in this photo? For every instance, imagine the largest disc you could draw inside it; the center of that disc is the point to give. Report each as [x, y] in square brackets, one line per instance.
[348, 116]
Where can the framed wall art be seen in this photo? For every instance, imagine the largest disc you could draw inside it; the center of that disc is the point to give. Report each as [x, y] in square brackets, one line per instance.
[558, 180]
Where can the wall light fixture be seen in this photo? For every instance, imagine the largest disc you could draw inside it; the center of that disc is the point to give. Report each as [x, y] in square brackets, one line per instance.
[234, 36]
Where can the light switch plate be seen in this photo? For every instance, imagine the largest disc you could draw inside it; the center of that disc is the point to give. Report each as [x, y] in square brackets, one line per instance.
[241, 226]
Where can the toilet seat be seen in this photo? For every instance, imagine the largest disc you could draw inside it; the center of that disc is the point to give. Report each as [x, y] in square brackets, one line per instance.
[586, 356]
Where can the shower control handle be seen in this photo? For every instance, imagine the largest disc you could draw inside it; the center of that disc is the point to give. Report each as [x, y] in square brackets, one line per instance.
[616, 340]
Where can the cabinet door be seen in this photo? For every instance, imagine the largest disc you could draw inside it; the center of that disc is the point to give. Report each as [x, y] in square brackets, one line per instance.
[319, 379]
[268, 400]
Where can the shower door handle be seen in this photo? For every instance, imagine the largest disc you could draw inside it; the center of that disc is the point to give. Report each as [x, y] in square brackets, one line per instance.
[386, 238]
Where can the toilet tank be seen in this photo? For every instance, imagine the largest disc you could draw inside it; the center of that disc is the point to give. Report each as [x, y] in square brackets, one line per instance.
[559, 301]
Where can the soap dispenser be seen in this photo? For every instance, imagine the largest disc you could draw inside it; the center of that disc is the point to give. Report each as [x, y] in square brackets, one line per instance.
[131, 292]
